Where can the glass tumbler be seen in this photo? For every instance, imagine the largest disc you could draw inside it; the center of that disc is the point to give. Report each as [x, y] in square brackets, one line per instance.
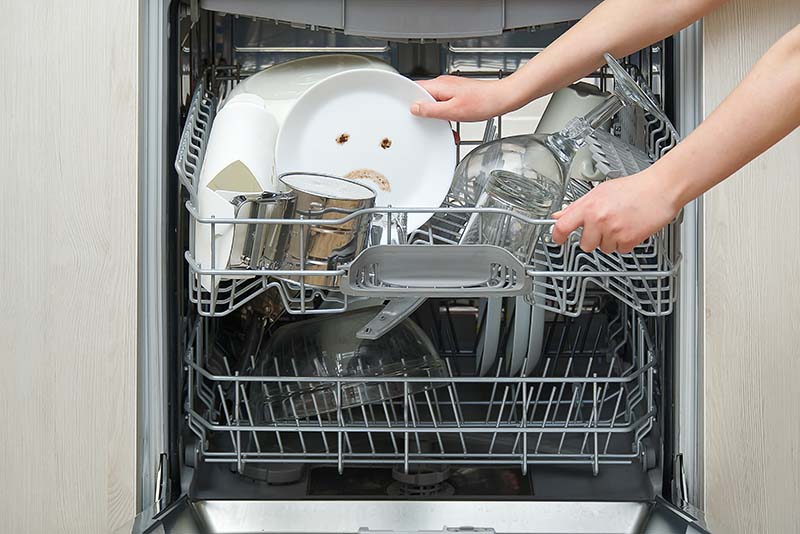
[534, 197]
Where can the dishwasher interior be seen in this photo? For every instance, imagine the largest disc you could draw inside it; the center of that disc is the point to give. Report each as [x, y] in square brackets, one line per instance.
[579, 440]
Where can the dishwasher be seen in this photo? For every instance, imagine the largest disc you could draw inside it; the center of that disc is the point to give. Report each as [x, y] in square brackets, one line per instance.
[599, 435]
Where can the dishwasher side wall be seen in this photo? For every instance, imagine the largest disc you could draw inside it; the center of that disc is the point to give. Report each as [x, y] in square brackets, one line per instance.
[751, 330]
[68, 235]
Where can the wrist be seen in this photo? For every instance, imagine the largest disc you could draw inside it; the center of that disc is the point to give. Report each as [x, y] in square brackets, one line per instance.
[672, 185]
[513, 93]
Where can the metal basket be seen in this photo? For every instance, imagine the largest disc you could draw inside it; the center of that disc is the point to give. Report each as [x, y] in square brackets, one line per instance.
[557, 279]
[589, 401]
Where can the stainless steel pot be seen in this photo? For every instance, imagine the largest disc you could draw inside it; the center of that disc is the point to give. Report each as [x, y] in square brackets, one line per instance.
[326, 246]
[261, 245]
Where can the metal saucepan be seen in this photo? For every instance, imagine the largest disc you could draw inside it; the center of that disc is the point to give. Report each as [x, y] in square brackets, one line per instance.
[325, 246]
[261, 245]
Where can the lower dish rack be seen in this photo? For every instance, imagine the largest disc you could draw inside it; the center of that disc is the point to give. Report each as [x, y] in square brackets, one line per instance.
[589, 401]
[557, 278]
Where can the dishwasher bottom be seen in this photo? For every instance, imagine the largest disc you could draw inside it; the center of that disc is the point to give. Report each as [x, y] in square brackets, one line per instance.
[548, 500]
[477, 517]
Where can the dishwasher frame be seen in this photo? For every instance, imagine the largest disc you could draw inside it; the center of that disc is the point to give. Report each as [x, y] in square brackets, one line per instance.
[159, 458]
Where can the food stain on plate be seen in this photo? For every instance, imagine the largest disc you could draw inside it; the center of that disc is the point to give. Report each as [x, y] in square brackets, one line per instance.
[343, 138]
[386, 143]
[373, 176]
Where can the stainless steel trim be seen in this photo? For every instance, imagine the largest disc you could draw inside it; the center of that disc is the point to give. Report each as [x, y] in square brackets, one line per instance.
[409, 516]
[152, 405]
[689, 373]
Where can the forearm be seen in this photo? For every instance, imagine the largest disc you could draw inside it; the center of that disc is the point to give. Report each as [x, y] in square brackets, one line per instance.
[763, 109]
[619, 27]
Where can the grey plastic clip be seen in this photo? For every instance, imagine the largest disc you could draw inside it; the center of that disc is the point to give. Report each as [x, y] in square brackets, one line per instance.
[436, 271]
[394, 313]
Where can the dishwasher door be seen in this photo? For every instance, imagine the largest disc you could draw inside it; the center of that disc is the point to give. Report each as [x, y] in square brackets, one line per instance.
[383, 517]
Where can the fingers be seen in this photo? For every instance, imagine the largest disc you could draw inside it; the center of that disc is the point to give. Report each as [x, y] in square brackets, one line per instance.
[435, 110]
[591, 237]
[439, 88]
[608, 244]
[568, 221]
[626, 246]
[446, 105]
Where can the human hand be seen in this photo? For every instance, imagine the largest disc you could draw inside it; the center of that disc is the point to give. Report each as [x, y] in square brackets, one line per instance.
[464, 99]
[619, 214]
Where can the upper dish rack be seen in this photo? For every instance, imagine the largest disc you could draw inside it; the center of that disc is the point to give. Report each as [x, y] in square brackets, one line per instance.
[557, 279]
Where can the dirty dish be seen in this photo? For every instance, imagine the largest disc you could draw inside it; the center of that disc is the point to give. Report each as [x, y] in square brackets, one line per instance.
[357, 124]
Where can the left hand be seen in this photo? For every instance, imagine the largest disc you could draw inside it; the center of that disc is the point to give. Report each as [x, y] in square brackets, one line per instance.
[619, 214]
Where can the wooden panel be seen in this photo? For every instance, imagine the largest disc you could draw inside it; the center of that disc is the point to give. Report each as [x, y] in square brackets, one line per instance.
[752, 301]
[68, 160]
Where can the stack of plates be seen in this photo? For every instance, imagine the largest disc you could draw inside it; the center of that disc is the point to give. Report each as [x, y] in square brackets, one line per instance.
[521, 332]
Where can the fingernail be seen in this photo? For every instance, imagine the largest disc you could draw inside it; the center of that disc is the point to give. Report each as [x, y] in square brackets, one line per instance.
[415, 109]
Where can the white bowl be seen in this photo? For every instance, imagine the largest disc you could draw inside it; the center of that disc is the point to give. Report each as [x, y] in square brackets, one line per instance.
[567, 103]
[239, 159]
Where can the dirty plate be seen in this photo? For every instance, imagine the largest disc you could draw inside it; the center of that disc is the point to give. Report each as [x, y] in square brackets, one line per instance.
[357, 124]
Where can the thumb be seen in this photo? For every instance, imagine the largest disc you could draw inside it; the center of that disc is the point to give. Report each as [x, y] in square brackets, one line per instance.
[434, 110]
[568, 220]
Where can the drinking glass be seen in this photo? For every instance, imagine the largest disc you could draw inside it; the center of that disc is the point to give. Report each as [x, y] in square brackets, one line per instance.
[541, 160]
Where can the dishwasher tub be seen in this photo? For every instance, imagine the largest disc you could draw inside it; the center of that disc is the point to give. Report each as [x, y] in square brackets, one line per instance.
[586, 439]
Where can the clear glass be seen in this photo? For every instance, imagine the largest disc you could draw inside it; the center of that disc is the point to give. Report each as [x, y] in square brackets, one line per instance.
[542, 160]
[530, 196]
[327, 347]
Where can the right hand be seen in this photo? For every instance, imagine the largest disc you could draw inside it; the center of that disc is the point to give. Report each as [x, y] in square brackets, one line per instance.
[463, 99]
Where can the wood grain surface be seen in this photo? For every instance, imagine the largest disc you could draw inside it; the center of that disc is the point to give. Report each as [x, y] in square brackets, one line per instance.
[68, 245]
[752, 301]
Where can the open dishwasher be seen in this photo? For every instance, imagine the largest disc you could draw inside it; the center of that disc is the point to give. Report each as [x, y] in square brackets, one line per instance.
[583, 439]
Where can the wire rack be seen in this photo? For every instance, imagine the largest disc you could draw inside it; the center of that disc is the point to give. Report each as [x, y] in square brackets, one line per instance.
[557, 279]
[589, 401]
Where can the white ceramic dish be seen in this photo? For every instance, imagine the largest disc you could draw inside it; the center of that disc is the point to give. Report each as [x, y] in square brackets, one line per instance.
[510, 307]
[567, 103]
[535, 339]
[281, 85]
[357, 124]
[239, 159]
[490, 337]
[519, 336]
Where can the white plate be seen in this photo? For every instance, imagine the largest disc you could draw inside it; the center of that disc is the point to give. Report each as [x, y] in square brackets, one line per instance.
[281, 85]
[241, 143]
[481, 336]
[491, 334]
[519, 336]
[360, 120]
[535, 339]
